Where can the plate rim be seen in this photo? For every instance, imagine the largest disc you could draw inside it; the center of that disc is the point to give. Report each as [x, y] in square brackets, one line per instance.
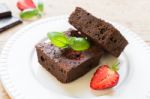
[4, 74]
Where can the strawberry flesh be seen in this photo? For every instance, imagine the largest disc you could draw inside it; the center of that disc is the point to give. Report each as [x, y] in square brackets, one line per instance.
[104, 78]
[25, 4]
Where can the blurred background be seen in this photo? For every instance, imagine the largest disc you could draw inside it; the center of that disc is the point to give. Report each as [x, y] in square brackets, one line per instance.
[133, 14]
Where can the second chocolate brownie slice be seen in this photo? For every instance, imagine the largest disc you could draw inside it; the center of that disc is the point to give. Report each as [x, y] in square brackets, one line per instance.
[102, 33]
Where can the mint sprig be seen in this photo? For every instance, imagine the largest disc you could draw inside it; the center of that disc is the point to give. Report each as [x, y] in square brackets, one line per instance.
[59, 39]
[78, 43]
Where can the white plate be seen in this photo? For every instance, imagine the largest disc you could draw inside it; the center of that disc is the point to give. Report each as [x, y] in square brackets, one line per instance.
[24, 78]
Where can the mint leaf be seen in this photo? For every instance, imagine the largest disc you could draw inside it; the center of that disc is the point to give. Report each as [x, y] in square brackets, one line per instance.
[39, 5]
[78, 43]
[29, 13]
[58, 39]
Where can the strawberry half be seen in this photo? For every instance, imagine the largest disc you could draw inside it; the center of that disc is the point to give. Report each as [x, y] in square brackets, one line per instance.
[105, 77]
[25, 4]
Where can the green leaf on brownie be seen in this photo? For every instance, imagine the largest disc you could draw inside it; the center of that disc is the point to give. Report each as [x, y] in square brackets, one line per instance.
[59, 39]
[78, 43]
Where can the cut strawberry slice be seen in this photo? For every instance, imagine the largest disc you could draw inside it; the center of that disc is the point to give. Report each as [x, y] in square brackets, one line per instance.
[104, 77]
[25, 4]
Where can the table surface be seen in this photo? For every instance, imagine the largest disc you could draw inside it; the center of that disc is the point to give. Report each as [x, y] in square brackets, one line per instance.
[133, 14]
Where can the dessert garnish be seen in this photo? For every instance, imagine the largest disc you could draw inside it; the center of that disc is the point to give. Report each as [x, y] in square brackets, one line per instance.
[60, 40]
[25, 4]
[30, 8]
[105, 77]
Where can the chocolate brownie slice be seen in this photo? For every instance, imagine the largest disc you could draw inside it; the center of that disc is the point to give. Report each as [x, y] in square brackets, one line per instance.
[66, 64]
[99, 31]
